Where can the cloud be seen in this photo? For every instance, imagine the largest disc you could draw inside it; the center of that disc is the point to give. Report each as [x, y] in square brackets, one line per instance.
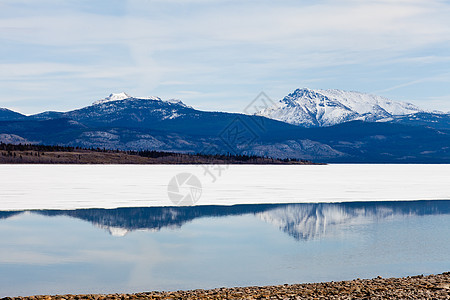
[445, 77]
[144, 45]
[338, 25]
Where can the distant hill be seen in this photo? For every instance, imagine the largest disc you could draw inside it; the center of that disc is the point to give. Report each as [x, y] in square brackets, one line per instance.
[9, 115]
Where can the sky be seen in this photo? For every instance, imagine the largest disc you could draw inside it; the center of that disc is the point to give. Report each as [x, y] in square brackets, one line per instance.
[219, 55]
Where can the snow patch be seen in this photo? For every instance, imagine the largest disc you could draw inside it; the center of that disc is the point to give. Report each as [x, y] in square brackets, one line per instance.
[14, 139]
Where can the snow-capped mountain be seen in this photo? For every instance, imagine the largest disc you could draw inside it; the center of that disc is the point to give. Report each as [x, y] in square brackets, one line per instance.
[121, 121]
[318, 108]
[124, 96]
[122, 109]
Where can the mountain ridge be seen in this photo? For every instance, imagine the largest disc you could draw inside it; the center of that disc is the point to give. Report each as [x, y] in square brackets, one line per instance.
[317, 108]
[154, 124]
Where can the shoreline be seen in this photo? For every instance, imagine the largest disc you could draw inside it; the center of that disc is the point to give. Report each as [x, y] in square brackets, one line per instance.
[62, 155]
[411, 287]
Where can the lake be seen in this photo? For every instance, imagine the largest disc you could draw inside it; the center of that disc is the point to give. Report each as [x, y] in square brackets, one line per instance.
[107, 229]
[170, 248]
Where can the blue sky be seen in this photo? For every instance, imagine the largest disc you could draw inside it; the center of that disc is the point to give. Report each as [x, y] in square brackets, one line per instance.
[218, 55]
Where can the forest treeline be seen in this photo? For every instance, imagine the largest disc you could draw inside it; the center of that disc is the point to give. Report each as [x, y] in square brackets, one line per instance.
[34, 153]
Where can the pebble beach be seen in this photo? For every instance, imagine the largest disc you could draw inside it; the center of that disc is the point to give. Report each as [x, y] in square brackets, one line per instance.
[414, 287]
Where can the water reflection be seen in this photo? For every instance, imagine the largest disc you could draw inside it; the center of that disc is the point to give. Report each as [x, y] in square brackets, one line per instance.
[301, 221]
[309, 221]
[8, 214]
[59, 251]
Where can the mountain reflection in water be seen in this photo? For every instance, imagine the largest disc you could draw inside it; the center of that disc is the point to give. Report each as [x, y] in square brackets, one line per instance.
[301, 221]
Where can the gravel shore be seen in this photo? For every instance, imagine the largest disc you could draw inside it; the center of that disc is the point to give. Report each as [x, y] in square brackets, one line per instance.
[415, 287]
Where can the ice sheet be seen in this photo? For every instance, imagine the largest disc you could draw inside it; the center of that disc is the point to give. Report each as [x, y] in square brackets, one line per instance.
[112, 186]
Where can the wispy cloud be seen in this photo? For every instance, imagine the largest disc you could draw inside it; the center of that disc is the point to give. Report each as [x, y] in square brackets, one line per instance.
[234, 47]
[445, 77]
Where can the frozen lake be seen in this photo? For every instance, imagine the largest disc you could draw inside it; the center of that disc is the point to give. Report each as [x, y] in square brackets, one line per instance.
[120, 228]
[112, 186]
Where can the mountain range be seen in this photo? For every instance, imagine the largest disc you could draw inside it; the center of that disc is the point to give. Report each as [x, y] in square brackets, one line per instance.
[319, 108]
[319, 125]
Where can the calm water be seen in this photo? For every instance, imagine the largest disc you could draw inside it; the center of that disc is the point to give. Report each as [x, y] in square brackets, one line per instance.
[170, 248]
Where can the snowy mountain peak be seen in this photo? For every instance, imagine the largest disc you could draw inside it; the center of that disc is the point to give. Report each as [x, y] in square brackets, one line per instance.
[124, 96]
[113, 97]
[315, 108]
[304, 92]
[176, 101]
[149, 98]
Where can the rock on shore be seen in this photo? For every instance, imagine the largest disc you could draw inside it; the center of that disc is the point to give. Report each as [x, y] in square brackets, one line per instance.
[416, 287]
